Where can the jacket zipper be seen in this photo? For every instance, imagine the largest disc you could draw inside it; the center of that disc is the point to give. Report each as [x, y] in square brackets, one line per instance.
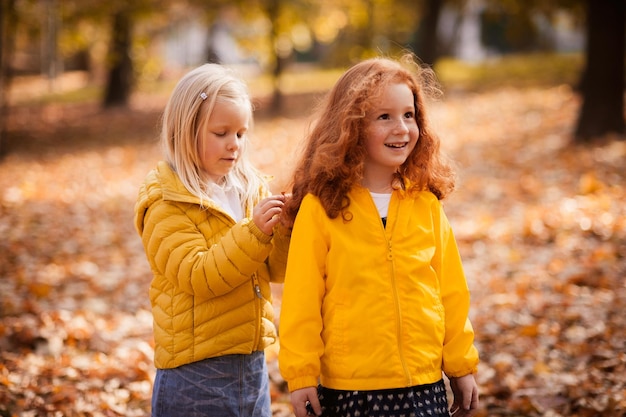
[257, 291]
[407, 374]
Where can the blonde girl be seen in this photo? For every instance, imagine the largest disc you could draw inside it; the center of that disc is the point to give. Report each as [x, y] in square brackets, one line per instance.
[375, 304]
[213, 238]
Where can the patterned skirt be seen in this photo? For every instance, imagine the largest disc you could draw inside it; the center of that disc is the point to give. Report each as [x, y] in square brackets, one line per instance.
[419, 401]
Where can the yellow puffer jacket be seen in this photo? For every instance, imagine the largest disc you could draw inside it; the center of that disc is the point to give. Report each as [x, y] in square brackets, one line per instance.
[366, 307]
[211, 291]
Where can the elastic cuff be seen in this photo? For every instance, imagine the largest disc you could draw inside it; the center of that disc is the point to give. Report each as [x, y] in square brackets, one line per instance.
[258, 233]
[302, 382]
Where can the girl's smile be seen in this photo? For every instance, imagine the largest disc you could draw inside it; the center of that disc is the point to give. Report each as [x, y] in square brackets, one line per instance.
[396, 145]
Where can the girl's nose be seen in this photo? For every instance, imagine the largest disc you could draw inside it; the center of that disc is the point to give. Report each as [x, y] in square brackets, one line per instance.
[234, 143]
[401, 126]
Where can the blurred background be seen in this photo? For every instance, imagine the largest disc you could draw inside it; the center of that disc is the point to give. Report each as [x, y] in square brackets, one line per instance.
[532, 113]
[118, 47]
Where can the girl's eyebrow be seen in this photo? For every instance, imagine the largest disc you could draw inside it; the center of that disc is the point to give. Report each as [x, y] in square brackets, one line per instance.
[389, 109]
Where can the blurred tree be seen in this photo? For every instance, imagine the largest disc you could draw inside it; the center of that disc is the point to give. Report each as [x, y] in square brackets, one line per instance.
[120, 65]
[602, 80]
[51, 63]
[278, 58]
[508, 25]
[8, 19]
[119, 61]
[351, 29]
[267, 44]
[602, 84]
[112, 21]
[427, 44]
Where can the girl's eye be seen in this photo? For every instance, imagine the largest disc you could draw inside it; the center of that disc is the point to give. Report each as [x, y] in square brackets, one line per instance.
[383, 117]
[220, 134]
[409, 115]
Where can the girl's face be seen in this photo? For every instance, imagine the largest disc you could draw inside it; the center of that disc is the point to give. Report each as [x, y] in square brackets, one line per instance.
[391, 131]
[221, 138]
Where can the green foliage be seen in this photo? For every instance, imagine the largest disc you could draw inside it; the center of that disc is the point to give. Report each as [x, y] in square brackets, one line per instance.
[88, 94]
[524, 70]
[521, 70]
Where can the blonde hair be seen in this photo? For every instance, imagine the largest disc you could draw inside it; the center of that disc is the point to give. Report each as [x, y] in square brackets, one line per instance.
[192, 101]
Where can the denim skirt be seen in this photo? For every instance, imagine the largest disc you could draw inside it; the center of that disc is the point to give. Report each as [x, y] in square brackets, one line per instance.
[226, 386]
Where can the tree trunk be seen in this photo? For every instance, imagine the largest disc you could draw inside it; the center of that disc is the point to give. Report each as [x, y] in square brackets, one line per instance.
[52, 66]
[120, 77]
[426, 45]
[602, 85]
[273, 11]
[8, 22]
[2, 105]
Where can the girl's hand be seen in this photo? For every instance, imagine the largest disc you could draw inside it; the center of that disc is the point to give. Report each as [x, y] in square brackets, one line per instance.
[266, 214]
[301, 397]
[465, 393]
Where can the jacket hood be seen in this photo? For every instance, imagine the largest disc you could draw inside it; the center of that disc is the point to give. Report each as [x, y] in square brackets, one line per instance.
[161, 183]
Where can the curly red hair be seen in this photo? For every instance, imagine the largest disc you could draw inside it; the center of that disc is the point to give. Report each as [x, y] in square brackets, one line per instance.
[334, 154]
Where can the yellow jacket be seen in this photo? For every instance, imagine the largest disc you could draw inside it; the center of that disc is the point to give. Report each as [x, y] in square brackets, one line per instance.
[366, 307]
[210, 293]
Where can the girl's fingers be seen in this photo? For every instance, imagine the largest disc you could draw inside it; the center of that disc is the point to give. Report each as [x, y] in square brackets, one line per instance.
[270, 202]
[266, 213]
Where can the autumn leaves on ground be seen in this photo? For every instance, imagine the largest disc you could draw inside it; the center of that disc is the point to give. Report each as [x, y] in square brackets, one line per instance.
[541, 225]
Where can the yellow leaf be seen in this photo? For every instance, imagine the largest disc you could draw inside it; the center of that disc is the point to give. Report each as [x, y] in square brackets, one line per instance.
[589, 183]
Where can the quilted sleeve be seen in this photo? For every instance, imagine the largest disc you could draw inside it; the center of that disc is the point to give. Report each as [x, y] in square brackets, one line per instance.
[277, 261]
[179, 250]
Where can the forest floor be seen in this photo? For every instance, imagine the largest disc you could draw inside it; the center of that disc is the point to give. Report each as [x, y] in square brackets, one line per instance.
[540, 221]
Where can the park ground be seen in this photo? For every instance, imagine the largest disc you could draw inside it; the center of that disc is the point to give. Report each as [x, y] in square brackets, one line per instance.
[540, 221]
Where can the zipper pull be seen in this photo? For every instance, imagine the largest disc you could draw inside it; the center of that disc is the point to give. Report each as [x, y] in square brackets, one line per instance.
[257, 291]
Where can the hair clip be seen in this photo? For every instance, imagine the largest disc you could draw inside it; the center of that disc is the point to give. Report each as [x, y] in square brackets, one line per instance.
[203, 96]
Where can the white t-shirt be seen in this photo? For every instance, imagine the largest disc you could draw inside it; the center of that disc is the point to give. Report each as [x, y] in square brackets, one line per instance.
[228, 198]
[382, 203]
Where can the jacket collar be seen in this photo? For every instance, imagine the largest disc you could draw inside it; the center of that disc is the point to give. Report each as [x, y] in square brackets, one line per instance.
[172, 187]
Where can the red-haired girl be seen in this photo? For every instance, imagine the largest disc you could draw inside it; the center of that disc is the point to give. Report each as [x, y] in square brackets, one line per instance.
[375, 304]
